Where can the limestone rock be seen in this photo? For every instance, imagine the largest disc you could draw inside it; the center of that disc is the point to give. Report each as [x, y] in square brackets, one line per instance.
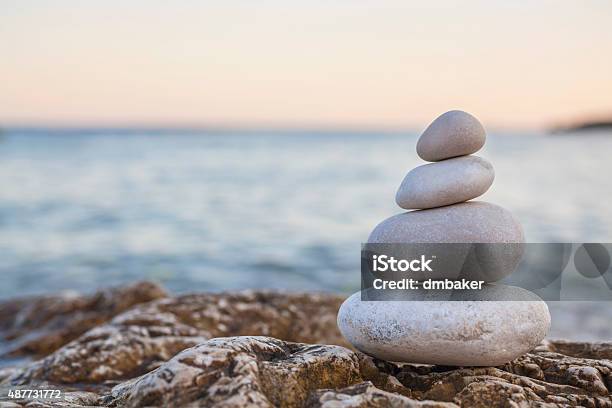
[41, 324]
[454, 333]
[591, 350]
[447, 182]
[364, 395]
[265, 372]
[140, 339]
[454, 133]
[554, 374]
[541, 378]
[242, 371]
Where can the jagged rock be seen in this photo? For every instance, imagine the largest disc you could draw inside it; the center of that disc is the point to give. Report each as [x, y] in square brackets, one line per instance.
[267, 372]
[132, 361]
[537, 379]
[110, 352]
[593, 350]
[241, 371]
[364, 395]
[140, 339]
[40, 325]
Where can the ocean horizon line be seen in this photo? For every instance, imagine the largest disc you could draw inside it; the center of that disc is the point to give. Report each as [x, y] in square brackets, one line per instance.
[82, 130]
[196, 129]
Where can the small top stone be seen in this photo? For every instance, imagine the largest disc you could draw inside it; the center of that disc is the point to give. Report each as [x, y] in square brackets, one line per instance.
[454, 133]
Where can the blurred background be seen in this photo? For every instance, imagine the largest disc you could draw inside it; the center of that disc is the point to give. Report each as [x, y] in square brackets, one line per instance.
[230, 144]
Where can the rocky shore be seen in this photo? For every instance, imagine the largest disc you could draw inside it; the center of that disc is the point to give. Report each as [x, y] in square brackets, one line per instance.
[138, 346]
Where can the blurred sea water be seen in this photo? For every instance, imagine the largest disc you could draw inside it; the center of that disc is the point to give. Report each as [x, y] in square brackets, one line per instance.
[224, 210]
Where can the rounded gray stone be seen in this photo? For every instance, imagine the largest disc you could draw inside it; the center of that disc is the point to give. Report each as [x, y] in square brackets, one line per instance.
[473, 221]
[455, 333]
[454, 133]
[499, 235]
[447, 182]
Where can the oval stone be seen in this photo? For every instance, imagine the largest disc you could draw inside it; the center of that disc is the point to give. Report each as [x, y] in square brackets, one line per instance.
[454, 133]
[455, 333]
[444, 183]
[473, 221]
[470, 222]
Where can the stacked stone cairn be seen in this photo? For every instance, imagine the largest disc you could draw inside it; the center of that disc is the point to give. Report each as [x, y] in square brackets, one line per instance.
[502, 322]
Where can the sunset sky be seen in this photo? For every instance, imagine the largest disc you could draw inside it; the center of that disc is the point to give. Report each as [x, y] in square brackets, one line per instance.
[515, 64]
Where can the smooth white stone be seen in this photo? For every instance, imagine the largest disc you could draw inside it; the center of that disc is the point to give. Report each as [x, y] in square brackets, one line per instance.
[447, 182]
[454, 133]
[456, 333]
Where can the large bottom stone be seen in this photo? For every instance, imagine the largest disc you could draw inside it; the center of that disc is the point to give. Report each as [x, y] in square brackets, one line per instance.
[454, 333]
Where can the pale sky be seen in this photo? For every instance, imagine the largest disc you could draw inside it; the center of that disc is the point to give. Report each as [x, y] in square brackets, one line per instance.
[350, 63]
